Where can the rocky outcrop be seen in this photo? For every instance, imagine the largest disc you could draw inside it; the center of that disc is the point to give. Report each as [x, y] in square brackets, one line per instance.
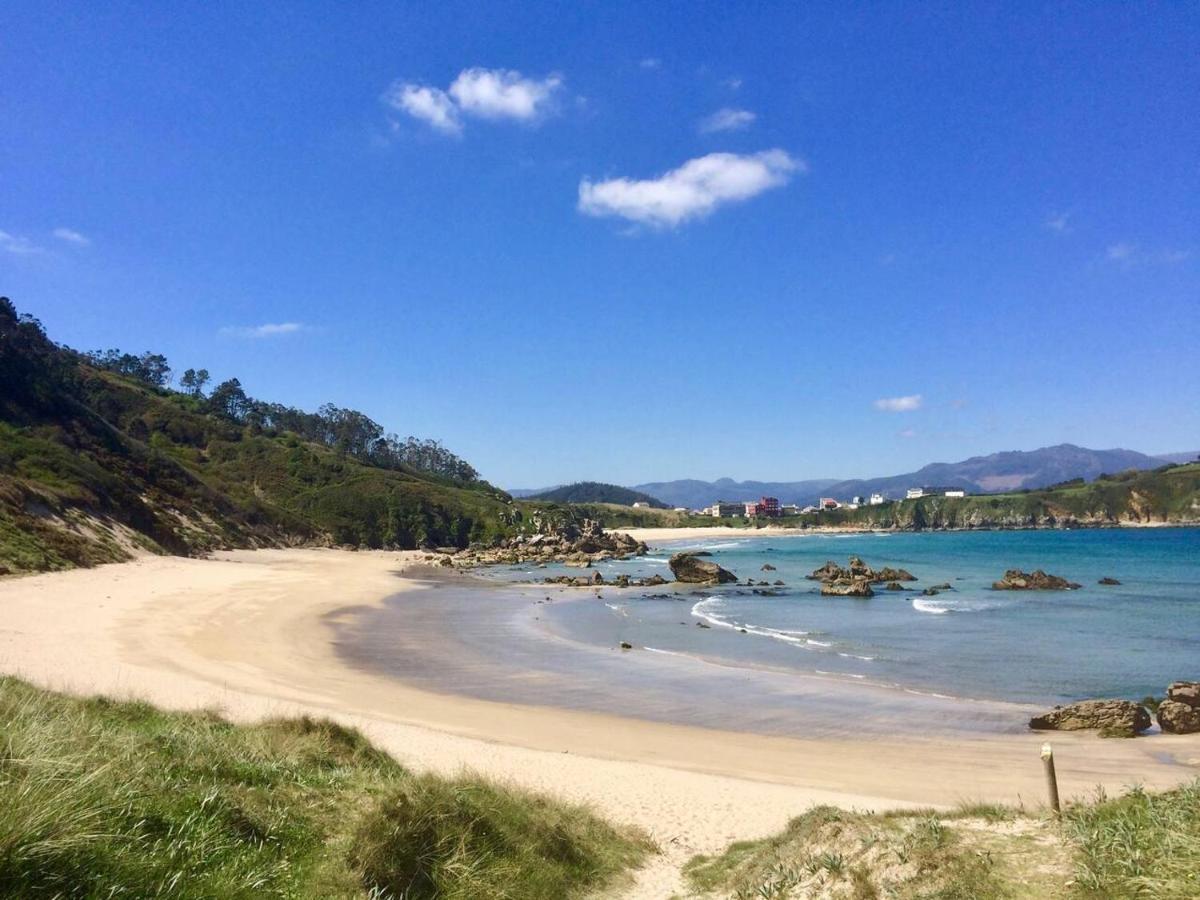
[1180, 712]
[578, 545]
[1107, 580]
[689, 568]
[854, 587]
[1112, 718]
[1016, 580]
[858, 570]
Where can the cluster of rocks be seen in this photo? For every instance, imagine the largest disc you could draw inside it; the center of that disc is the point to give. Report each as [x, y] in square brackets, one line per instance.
[1016, 580]
[573, 544]
[595, 579]
[690, 568]
[855, 580]
[1179, 713]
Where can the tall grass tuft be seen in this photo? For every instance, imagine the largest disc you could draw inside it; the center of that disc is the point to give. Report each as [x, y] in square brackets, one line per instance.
[110, 799]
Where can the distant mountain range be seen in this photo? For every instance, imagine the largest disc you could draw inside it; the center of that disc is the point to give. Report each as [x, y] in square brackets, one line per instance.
[997, 472]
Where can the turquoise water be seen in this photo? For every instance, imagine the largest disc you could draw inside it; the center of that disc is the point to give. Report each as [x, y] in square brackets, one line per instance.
[1030, 647]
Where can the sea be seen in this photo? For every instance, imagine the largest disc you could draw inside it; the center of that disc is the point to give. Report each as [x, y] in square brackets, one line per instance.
[783, 659]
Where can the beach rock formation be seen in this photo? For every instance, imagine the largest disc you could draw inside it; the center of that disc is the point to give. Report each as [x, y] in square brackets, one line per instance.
[767, 567]
[578, 545]
[1107, 580]
[854, 587]
[1180, 712]
[1016, 580]
[689, 568]
[1113, 718]
[858, 570]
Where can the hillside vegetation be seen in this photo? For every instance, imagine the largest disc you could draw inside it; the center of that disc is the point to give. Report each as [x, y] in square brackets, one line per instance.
[1139, 845]
[99, 457]
[106, 799]
[597, 492]
[1167, 495]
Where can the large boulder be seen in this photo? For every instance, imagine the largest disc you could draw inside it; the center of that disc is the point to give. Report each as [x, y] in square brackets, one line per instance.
[851, 587]
[831, 571]
[1016, 580]
[1178, 718]
[687, 567]
[1184, 692]
[858, 570]
[1113, 718]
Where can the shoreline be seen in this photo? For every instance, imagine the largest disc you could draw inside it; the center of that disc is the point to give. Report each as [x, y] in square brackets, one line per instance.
[249, 632]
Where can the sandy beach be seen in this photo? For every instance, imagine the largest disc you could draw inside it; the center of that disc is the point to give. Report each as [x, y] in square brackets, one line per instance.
[250, 633]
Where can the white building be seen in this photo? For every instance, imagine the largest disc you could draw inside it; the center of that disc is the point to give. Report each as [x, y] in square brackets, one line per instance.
[914, 493]
[956, 492]
[877, 500]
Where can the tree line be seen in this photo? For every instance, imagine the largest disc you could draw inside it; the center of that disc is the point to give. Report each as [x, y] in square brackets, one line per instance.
[346, 430]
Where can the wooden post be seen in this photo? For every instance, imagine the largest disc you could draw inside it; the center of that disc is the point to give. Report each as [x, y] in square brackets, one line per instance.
[1051, 779]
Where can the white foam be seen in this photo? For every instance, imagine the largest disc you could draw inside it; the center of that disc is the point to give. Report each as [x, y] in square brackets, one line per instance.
[929, 606]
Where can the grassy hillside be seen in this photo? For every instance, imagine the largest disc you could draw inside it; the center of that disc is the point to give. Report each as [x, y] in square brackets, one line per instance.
[95, 463]
[1169, 494]
[107, 799]
[1140, 845]
[597, 492]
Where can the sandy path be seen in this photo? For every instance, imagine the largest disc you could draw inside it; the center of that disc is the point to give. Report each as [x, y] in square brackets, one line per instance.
[246, 632]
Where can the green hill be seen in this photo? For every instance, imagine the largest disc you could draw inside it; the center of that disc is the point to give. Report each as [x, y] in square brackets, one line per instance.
[598, 492]
[99, 457]
[1167, 495]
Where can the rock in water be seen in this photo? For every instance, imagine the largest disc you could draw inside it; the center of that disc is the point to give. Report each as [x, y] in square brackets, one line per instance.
[767, 567]
[857, 587]
[688, 568]
[1107, 580]
[1114, 718]
[1016, 580]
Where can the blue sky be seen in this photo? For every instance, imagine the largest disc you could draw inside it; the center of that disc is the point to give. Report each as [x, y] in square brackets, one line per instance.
[630, 242]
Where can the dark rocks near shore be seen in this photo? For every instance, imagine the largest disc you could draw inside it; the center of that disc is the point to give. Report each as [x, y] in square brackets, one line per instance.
[1107, 580]
[1180, 712]
[1112, 718]
[1016, 580]
[858, 570]
[578, 545]
[767, 567]
[858, 587]
[690, 569]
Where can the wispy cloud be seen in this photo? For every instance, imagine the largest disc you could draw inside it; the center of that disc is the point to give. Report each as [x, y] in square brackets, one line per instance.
[732, 83]
[266, 330]
[1060, 223]
[727, 119]
[18, 244]
[899, 404]
[691, 191]
[650, 62]
[907, 433]
[494, 94]
[71, 236]
[1127, 254]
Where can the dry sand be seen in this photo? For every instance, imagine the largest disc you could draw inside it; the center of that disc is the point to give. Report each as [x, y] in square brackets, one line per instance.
[248, 632]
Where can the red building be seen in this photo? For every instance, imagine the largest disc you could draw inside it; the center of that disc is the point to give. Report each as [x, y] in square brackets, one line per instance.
[767, 507]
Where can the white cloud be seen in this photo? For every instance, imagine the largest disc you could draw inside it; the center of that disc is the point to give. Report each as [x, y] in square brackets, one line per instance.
[1127, 254]
[1059, 222]
[650, 62]
[899, 404]
[732, 83]
[266, 330]
[907, 433]
[71, 236]
[503, 93]
[429, 104]
[484, 93]
[15, 243]
[692, 191]
[727, 119]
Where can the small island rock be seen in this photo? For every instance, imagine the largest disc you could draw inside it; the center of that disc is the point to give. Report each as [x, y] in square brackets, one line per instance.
[1016, 580]
[686, 567]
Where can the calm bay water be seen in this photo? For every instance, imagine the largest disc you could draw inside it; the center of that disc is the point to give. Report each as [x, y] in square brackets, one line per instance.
[801, 664]
[971, 641]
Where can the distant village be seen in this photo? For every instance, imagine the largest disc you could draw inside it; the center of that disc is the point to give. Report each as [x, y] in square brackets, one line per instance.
[770, 508]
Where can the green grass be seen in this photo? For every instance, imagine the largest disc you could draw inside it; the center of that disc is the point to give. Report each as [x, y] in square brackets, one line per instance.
[116, 799]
